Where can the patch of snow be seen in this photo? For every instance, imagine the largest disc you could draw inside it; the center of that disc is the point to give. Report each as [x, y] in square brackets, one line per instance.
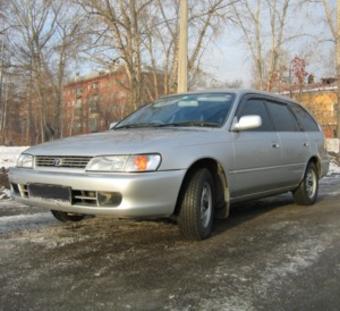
[8, 223]
[5, 194]
[294, 263]
[334, 193]
[9, 155]
[333, 145]
[334, 168]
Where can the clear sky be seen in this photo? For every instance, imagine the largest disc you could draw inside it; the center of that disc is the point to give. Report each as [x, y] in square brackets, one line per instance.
[228, 58]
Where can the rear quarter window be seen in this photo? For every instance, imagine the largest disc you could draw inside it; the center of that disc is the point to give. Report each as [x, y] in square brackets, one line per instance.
[305, 119]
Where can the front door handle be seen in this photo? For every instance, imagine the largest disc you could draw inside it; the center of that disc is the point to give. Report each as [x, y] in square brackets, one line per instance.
[275, 145]
[306, 144]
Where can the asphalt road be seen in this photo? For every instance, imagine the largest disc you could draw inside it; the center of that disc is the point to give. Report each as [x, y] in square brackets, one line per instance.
[270, 255]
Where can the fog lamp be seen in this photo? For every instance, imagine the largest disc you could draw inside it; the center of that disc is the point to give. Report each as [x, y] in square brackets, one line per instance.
[109, 198]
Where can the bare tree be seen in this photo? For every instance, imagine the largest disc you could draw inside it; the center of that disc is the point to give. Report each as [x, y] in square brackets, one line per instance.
[34, 24]
[142, 36]
[205, 21]
[72, 34]
[119, 37]
[332, 20]
[263, 24]
[45, 36]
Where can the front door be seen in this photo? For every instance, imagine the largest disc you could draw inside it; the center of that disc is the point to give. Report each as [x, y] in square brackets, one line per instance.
[257, 153]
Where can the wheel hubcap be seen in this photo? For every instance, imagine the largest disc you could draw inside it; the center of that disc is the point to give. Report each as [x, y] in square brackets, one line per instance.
[311, 183]
[206, 205]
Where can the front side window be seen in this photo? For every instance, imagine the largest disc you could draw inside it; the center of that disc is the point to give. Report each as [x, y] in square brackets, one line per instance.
[209, 110]
[258, 108]
[283, 118]
[305, 119]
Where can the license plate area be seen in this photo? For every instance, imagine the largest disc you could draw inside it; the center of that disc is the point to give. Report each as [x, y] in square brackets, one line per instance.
[50, 192]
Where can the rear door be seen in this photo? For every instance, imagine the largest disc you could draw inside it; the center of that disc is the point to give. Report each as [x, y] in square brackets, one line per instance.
[256, 152]
[314, 135]
[293, 143]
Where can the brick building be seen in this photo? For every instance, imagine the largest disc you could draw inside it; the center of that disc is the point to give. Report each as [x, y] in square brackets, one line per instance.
[92, 102]
[322, 103]
[321, 100]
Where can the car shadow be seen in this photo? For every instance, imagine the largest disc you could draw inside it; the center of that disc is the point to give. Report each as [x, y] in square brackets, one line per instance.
[243, 212]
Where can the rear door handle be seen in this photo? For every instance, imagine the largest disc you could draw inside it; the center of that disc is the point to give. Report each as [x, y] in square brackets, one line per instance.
[276, 146]
[306, 144]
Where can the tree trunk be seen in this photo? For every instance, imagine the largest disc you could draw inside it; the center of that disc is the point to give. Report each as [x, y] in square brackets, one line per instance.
[338, 67]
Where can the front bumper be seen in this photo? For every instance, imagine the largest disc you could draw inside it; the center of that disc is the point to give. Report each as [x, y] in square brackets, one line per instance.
[143, 195]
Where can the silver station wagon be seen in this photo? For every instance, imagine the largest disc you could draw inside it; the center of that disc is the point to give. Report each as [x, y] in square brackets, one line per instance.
[186, 156]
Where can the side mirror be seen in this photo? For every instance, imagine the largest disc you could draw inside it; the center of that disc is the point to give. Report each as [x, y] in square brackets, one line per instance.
[247, 123]
[112, 125]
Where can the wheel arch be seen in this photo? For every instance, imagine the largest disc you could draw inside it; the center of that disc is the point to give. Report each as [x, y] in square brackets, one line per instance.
[317, 162]
[221, 185]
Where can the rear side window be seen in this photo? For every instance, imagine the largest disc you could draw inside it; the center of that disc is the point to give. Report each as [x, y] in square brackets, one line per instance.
[305, 119]
[283, 118]
[256, 107]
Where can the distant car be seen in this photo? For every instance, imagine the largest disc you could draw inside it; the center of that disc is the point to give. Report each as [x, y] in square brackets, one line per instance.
[185, 156]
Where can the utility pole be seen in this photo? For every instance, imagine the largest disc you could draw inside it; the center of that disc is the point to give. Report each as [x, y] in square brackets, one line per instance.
[182, 82]
[2, 46]
[337, 53]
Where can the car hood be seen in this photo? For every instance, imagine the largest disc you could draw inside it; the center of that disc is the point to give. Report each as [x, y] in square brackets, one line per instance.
[127, 141]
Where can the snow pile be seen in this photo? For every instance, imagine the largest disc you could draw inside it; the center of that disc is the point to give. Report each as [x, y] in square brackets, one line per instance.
[4, 194]
[334, 168]
[9, 155]
[333, 145]
[8, 158]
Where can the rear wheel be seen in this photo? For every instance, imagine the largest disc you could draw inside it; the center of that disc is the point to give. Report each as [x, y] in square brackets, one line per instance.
[65, 217]
[197, 206]
[307, 192]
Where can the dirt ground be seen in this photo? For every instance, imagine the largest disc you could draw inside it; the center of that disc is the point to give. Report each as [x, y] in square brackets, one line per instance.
[269, 255]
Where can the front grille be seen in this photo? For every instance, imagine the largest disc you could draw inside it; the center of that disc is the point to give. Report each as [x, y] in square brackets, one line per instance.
[62, 161]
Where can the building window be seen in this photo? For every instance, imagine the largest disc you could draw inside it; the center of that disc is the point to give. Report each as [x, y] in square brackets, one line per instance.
[93, 124]
[79, 91]
[95, 85]
[93, 104]
[79, 103]
[77, 113]
[93, 107]
[76, 125]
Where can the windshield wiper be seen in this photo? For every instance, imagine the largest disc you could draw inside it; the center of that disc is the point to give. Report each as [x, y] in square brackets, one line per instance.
[137, 125]
[191, 123]
[174, 124]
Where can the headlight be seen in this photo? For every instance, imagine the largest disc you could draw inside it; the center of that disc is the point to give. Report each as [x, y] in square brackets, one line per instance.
[25, 160]
[125, 163]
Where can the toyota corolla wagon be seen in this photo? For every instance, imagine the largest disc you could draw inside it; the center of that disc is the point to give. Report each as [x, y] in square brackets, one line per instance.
[187, 156]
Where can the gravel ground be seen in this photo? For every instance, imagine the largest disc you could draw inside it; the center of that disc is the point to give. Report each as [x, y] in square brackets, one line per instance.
[269, 255]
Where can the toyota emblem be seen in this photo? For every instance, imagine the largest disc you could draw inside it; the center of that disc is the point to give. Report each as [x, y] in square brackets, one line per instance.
[58, 162]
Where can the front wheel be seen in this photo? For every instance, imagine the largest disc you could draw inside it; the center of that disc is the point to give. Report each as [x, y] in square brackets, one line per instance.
[307, 192]
[65, 217]
[197, 206]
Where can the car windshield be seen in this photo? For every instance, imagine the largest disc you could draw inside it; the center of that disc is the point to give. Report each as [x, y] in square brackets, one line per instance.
[210, 110]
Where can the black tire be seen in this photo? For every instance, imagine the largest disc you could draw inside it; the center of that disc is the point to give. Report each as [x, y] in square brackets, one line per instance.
[66, 217]
[196, 214]
[307, 192]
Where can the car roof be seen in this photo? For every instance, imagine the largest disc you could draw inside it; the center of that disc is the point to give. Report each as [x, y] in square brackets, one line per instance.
[238, 92]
